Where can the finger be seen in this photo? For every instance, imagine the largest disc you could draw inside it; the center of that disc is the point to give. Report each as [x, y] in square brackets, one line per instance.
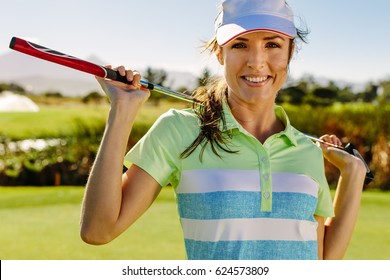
[136, 78]
[121, 70]
[324, 137]
[335, 140]
[331, 139]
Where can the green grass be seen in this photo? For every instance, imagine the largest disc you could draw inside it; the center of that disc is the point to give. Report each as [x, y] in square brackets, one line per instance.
[49, 122]
[43, 223]
[371, 239]
[61, 120]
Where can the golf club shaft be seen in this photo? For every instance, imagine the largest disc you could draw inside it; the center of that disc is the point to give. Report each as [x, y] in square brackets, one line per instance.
[316, 139]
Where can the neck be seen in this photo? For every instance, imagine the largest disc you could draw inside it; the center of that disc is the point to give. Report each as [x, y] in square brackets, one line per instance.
[258, 119]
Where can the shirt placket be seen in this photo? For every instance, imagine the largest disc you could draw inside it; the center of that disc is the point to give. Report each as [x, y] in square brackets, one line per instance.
[265, 177]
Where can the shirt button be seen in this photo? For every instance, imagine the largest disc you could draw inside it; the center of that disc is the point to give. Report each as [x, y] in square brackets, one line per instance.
[266, 176]
[264, 159]
[266, 146]
[266, 195]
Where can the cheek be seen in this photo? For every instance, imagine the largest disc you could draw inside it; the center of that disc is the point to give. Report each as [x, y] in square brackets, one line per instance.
[280, 68]
[231, 69]
[279, 64]
[231, 65]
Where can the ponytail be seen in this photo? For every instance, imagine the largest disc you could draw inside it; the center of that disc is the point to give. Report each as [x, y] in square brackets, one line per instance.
[209, 110]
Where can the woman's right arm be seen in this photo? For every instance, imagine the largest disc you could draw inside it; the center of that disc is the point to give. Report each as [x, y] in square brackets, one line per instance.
[112, 200]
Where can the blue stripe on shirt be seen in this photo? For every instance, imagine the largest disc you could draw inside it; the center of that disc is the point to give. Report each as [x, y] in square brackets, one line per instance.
[252, 250]
[236, 204]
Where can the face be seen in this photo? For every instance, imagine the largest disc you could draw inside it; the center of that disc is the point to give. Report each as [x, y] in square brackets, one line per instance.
[255, 66]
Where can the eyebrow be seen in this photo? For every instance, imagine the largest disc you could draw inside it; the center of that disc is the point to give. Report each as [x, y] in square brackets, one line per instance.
[274, 37]
[265, 38]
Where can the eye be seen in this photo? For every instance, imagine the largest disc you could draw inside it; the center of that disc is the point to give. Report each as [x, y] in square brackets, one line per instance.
[272, 45]
[239, 45]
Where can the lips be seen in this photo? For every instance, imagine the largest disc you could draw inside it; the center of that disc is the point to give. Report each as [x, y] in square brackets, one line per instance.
[256, 79]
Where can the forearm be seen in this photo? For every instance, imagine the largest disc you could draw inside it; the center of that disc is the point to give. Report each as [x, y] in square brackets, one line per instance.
[339, 229]
[103, 195]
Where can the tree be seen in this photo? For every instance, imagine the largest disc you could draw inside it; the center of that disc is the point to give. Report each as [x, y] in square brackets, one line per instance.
[293, 95]
[369, 94]
[325, 93]
[384, 92]
[12, 87]
[94, 97]
[204, 78]
[307, 83]
[346, 95]
[156, 76]
[55, 94]
[322, 96]
[3, 87]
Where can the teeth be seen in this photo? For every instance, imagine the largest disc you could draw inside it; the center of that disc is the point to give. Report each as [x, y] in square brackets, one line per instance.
[256, 80]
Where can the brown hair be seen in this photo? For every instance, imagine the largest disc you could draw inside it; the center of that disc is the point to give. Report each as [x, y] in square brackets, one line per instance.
[209, 111]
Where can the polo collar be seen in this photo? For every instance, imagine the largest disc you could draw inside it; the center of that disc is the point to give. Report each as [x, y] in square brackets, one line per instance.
[231, 122]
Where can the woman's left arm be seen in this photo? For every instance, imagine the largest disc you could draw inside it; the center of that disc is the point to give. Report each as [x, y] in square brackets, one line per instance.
[320, 235]
[338, 229]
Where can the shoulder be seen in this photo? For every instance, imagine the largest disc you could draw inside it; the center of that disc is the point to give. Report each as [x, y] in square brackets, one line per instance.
[178, 116]
[305, 144]
[182, 123]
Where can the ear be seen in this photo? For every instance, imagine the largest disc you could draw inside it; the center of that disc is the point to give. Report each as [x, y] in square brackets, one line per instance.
[291, 51]
[219, 55]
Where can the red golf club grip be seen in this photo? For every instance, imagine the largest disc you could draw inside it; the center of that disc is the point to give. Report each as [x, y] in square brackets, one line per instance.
[44, 53]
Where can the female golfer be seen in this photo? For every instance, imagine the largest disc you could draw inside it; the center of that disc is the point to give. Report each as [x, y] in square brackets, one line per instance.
[248, 184]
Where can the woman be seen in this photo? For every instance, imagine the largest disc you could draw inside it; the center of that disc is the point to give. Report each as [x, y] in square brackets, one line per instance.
[248, 184]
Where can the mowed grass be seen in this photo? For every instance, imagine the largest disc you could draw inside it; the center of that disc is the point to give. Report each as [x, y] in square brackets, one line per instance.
[43, 223]
[49, 122]
[371, 239]
[62, 120]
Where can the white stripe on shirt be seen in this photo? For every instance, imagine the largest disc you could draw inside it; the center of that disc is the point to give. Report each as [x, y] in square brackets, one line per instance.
[255, 229]
[204, 181]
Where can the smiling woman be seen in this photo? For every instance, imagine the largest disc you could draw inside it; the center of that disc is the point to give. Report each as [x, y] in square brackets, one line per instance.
[248, 184]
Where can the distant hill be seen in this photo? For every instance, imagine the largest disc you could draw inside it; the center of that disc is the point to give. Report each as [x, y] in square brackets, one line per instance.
[39, 76]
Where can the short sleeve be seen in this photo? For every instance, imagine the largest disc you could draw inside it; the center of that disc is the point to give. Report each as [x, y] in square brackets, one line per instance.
[158, 151]
[325, 203]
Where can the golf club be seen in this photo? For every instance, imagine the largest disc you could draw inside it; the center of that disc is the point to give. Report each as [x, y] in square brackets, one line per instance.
[45, 53]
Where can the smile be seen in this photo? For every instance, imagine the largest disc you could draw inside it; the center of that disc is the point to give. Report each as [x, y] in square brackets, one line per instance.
[255, 79]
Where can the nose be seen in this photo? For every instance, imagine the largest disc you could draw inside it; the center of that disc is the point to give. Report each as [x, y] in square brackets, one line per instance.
[257, 58]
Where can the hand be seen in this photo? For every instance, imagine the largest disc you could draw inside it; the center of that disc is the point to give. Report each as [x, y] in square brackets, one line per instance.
[124, 94]
[341, 159]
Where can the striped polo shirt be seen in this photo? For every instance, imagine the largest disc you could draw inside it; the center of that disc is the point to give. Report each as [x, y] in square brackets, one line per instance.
[257, 203]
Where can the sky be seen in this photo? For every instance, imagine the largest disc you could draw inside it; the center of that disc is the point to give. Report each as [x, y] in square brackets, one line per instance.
[349, 39]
